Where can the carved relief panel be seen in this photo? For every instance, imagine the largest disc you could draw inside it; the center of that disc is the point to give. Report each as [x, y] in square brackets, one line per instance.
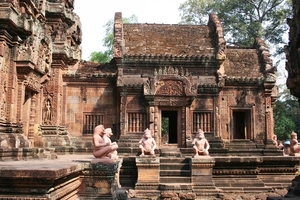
[38, 50]
[169, 88]
[47, 111]
[3, 81]
[170, 81]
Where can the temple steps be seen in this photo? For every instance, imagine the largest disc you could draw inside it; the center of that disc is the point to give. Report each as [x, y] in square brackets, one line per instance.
[175, 173]
[240, 143]
[175, 170]
[128, 173]
[170, 150]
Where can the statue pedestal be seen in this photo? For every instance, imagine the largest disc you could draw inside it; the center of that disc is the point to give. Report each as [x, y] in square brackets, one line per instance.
[101, 180]
[201, 176]
[148, 177]
[148, 169]
[202, 167]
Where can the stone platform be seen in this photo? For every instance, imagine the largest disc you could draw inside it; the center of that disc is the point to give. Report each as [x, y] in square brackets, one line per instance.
[67, 177]
[72, 177]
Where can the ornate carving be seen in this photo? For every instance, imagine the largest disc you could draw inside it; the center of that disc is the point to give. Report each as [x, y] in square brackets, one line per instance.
[265, 56]
[170, 81]
[2, 97]
[69, 4]
[27, 49]
[44, 57]
[215, 24]
[170, 101]
[59, 32]
[117, 50]
[118, 33]
[169, 88]
[120, 77]
[47, 111]
[147, 87]
[32, 84]
[123, 110]
[241, 98]
[38, 51]
[235, 172]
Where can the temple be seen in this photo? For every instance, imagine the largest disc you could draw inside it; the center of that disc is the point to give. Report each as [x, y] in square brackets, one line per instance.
[173, 79]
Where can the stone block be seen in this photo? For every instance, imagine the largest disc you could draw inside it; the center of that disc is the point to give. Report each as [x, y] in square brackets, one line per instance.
[148, 170]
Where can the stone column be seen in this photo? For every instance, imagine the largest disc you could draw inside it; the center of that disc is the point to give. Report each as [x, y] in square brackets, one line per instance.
[270, 148]
[156, 125]
[123, 112]
[32, 119]
[183, 126]
[20, 100]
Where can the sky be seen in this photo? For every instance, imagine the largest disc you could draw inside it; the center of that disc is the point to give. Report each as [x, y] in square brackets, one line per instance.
[94, 14]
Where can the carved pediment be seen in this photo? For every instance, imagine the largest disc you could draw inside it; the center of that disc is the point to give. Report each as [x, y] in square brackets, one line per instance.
[169, 88]
[170, 81]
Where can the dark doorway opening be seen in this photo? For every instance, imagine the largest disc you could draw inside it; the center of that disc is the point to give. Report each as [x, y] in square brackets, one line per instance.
[241, 124]
[169, 127]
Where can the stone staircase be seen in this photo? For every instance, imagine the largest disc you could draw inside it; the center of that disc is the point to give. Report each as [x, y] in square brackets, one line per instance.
[170, 151]
[175, 170]
[129, 145]
[128, 173]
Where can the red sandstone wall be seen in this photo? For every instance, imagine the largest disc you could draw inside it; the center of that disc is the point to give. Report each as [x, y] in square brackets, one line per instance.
[92, 99]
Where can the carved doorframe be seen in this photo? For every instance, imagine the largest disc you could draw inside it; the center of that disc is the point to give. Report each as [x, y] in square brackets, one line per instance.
[170, 88]
[179, 124]
[251, 121]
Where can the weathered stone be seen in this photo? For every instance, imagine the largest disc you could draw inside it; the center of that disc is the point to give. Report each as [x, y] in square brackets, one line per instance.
[148, 170]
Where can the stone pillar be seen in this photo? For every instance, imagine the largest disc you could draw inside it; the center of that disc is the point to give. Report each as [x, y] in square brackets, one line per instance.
[32, 119]
[183, 127]
[123, 112]
[20, 100]
[270, 148]
[155, 125]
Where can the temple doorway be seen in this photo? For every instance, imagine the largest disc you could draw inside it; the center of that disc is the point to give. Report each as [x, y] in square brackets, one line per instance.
[241, 124]
[169, 127]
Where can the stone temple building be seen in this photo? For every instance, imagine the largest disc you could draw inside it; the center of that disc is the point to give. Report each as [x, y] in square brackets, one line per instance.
[185, 75]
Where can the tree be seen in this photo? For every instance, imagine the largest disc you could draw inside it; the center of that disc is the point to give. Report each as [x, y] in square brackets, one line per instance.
[286, 115]
[243, 20]
[108, 41]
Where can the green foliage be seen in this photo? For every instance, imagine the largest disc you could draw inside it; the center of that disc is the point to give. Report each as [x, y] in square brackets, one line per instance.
[100, 57]
[243, 20]
[165, 126]
[286, 115]
[108, 41]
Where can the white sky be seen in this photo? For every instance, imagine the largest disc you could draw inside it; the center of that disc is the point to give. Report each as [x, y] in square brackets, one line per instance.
[94, 14]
